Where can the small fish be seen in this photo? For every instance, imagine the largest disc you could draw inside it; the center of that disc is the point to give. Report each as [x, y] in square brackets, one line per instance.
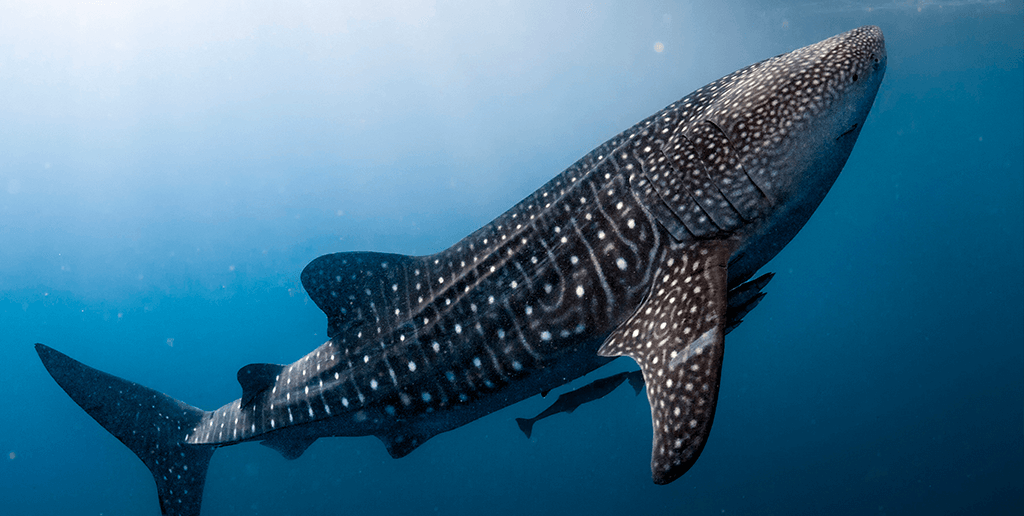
[571, 400]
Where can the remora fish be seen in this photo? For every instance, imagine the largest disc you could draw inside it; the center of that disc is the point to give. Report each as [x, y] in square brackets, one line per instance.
[641, 248]
[572, 400]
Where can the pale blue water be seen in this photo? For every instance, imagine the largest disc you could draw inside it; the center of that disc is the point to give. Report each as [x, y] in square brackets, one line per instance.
[166, 170]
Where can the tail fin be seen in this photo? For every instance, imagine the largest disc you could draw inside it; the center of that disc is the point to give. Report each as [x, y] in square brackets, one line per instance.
[636, 381]
[526, 425]
[151, 424]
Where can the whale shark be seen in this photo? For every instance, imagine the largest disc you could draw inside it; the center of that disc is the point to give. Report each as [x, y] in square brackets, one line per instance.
[644, 248]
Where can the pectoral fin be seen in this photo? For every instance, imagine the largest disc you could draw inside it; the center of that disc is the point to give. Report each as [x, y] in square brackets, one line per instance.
[677, 338]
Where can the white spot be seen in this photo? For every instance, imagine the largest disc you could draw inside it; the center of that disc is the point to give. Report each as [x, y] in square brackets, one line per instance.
[412, 366]
[579, 291]
[477, 362]
[620, 262]
[373, 384]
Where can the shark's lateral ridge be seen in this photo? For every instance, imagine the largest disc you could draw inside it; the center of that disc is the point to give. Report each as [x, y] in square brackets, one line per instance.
[644, 248]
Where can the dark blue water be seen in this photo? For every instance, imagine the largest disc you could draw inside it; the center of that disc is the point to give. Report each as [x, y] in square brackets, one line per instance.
[167, 169]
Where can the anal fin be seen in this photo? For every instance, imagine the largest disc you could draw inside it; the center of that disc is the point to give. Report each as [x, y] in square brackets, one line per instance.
[677, 338]
[290, 449]
[401, 442]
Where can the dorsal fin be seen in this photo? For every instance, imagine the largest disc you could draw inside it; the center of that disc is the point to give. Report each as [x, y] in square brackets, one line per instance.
[256, 378]
[362, 289]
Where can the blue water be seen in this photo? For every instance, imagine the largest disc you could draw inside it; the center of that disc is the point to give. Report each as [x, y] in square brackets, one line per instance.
[168, 168]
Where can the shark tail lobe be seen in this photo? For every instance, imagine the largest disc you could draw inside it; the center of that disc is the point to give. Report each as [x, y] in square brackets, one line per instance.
[153, 425]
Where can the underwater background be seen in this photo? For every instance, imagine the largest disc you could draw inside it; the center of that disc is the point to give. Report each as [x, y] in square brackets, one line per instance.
[168, 168]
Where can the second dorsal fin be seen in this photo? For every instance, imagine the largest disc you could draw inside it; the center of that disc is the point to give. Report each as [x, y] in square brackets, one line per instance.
[256, 378]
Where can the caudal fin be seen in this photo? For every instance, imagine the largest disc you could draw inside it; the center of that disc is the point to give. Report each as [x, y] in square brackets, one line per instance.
[636, 381]
[151, 424]
[526, 425]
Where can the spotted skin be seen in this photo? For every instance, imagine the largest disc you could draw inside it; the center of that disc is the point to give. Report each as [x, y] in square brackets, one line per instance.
[642, 248]
[678, 338]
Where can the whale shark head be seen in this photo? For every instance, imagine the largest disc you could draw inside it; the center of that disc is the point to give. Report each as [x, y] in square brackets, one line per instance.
[797, 128]
[732, 172]
[793, 121]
